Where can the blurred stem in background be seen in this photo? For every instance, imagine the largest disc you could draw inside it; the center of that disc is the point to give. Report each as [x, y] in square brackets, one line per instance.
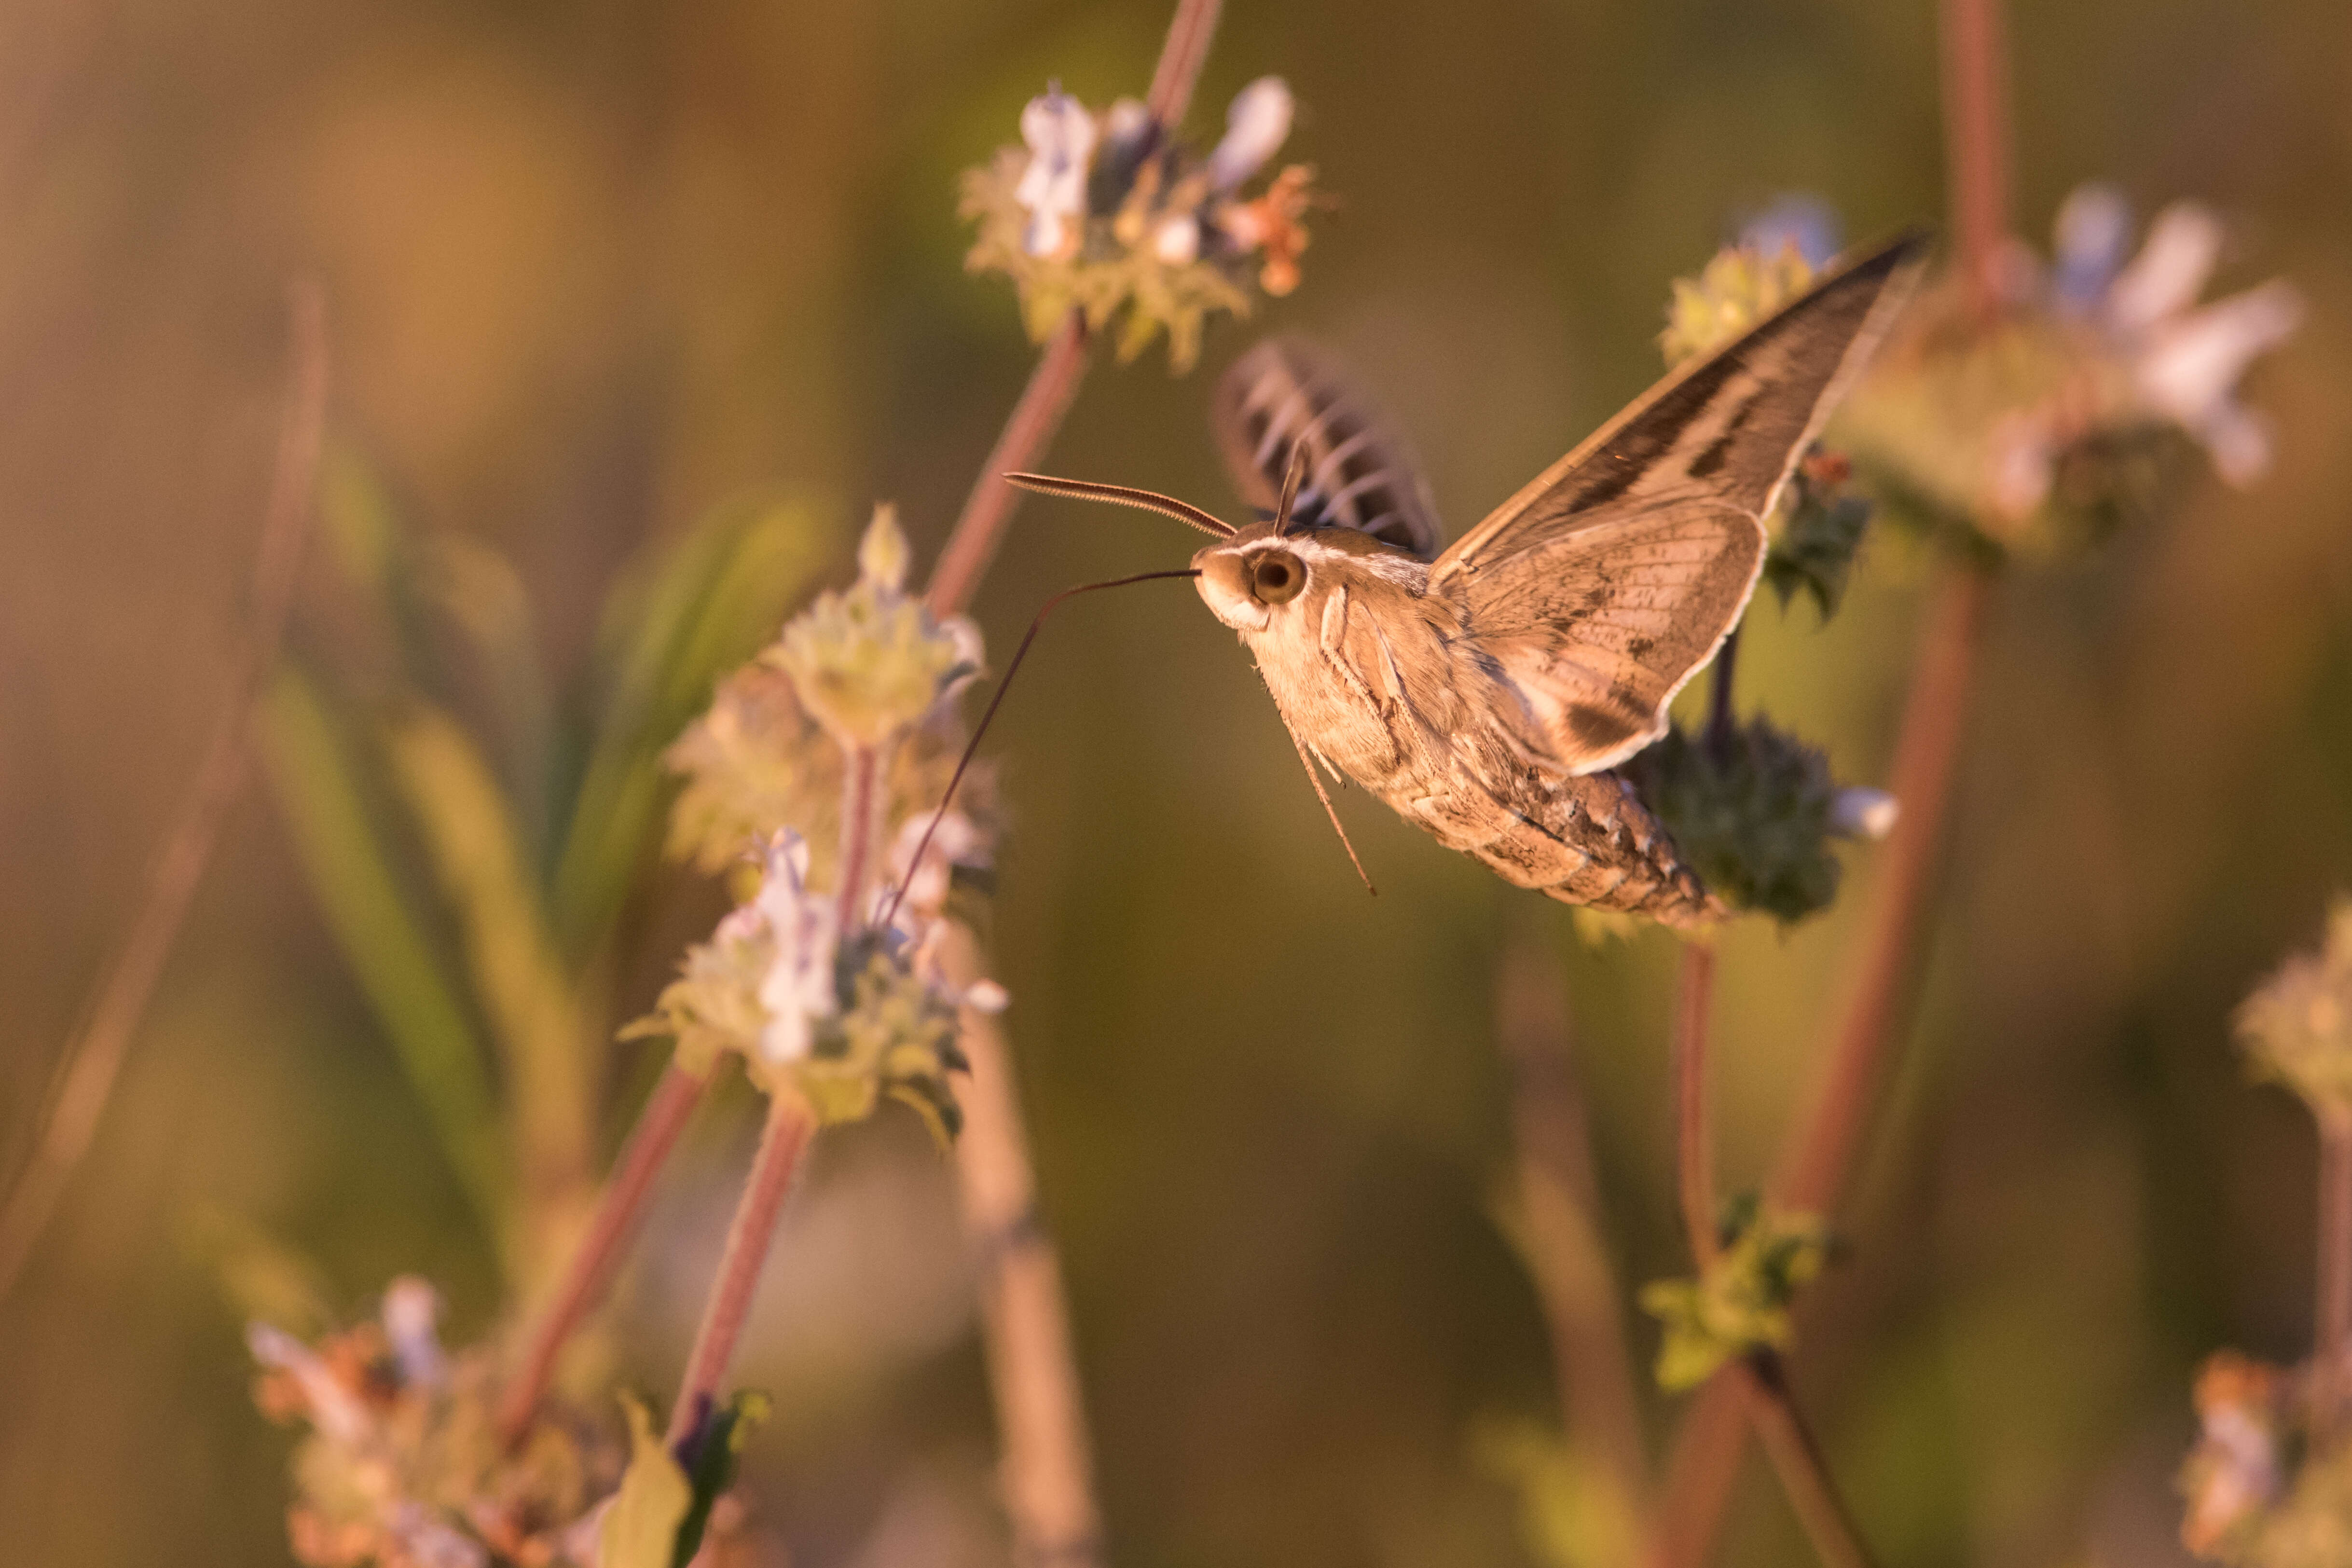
[1818, 1162]
[1047, 1470]
[783, 1141]
[93, 1059]
[1795, 1453]
[1559, 1212]
[2331, 1325]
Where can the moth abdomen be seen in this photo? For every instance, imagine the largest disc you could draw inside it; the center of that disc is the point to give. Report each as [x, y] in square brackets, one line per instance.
[1592, 843]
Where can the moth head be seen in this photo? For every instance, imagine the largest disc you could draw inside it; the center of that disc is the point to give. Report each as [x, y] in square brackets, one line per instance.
[1246, 580]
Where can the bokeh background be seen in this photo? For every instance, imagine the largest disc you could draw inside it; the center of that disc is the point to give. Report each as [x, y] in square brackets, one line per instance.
[599, 269]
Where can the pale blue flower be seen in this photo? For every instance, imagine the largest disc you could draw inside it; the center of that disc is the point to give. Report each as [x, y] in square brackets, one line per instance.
[798, 987]
[1061, 138]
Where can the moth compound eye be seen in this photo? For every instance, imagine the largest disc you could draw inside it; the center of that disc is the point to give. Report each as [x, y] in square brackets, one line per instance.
[1278, 577]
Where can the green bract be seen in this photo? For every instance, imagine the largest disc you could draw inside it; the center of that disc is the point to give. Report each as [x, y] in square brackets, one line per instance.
[1735, 291]
[871, 662]
[1740, 1304]
[2296, 1027]
[1754, 816]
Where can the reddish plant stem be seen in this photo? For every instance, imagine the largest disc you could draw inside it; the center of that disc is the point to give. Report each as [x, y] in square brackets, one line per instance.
[781, 1143]
[2331, 1325]
[860, 769]
[964, 560]
[1926, 754]
[1707, 1450]
[1976, 143]
[1560, 1201]
[1694, 1151]
[1045, 1468]
[610, 1231]
[93, 1058]
[1185, 50]
[1788, 1443]
[1797, 1457]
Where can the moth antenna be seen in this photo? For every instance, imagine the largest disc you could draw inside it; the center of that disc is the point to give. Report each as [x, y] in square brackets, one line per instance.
[1324, 795]
[1290, 477]
[923, 844]
[1124, 495]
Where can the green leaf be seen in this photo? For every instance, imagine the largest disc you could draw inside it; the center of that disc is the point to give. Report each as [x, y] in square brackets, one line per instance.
[641, 1528]
[716, 1458]
[477, 593]
[1742, 1301]
[550, 1062]
[1814, 552]
[703, 609]
[316, 778]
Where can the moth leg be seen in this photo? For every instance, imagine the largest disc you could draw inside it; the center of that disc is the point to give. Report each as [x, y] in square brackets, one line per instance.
[1329, 809]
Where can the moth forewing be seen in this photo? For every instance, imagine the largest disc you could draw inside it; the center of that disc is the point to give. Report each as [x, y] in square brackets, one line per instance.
[1730, 425]
[1610, 581]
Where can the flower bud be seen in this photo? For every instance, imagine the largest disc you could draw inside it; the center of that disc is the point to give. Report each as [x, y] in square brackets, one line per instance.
[1255, 128]
[870, 663]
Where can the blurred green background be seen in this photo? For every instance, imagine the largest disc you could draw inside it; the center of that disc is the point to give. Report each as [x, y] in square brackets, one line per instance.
[601, 271]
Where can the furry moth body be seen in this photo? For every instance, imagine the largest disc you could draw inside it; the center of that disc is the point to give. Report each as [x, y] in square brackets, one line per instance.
[1487, 691]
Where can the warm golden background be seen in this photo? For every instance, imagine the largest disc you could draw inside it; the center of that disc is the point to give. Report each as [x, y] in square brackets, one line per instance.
[596, 268]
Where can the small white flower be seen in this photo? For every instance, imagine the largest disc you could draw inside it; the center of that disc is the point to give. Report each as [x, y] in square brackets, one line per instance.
[1255, 128]
[2022, 465]
[411, 1314]
[2172, 267]
[2092, 230]
[1061, 138]
[1177, 240]
[427, 1543]
[2188, 371]
[2183, 360]
[1857, 812]
[798, 987]
[334, 1409]
[957, 842]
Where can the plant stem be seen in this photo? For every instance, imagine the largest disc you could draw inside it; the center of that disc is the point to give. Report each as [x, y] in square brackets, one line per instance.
[1708, 1452]
[665, 1116]
[781, 1143]
[1816, 1166]
[1788, 1442]
[964, 559]
[1560, 1200]
[1927, 755]
[1046, 1470]
[1797, 1455]
[93, 1058]
[860, 769]
[1975, 143]
[1694, 1150]
[2332, 1328]
[1719, 718]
